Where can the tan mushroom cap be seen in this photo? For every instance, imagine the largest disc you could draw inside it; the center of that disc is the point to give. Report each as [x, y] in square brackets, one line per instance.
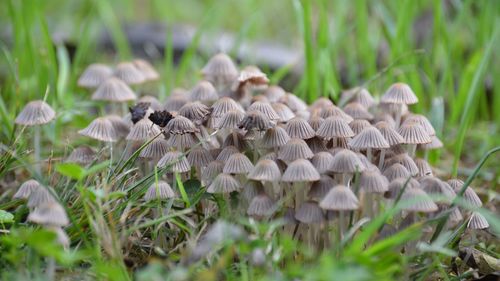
[265, 170]
[419, 201]
[424, 168]
[434, 144]
[195, 111]
[358, 125]
[370, 137]
[155, 149]
[275, 137]
[357, 111]
[100, 129]
[265, 108]
[477, 221]
[309, 213]
[391, 136]
[422, 121]
[114, 90]
[94, 75]
[26, 189]
[238, 163]
[40, 196]
[129, 73]
[413, 133]
[335, 111]
[226, 153]
[143, 130]
[373, 181]
[293, 102]
[359, 95]
[261, 205]
[175, 161]
[175, 102]
[405, 160]
[181, 125]
[159, 190]
[146, 69]
[396, 185]
[252, 75]
[300, 170]
[224, 183]
[322, 161]
[274, 93]
[255, 120]
[50, 213]
[340, 198]
[34, 113]
[284, 112]
[199, 157]
[315, 122]
[399, 93]
[230, 120]
[346, 161]
[82, 155]
[220, 69]
[433, 185]
[224, 105]
[395, 171]
[335, 127]
[203, 91]
[320, 188]
[122, 128]
[295, 149]
[316, 144]
[211, 171]
[299, 128]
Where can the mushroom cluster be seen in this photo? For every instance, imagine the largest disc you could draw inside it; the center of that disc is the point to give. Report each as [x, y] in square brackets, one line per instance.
[265, 151]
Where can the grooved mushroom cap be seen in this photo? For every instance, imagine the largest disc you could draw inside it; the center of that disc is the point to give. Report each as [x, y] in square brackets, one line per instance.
[51, 214]
[294, 102]
[274, 93]
[230, 120]
[396, 185]
[399, 93]
[175, 101]
[469, 195]
[220, 69]
[424, 169]
[316, 144]
[300, 170]
[255, 120]
[275, 137]
[358, 125]
[82, 155]
[100, 129]
[295, 149]
[373, 182]
[199, 157]
[34, 113]
[151, 101]
[114, 90]
[335, 111]
[237, 140]
[128, 73]
[420, 201]
[284, 112]
[143, 130]
[433, 185]
[413, 133]
[315, 122]
[434, 144]
[40, 196]
[181, 125]
[203, 91]
[94, 75]
[265, 108]
[195, 111]
[391, 136]
[322, 161]
[359, 95]
[26, 189]
[309, 212]
[261, 205]
[252, 75]
[159, 190]
[369, 137]
[320, 103]
[340, 198]
[155, 149]
[477, 221]
[175, 161]
[223, 183]
[224, 105]
[211, 171]
[182, 141]
[320, 188]
[238, 163]
[395, 171]
[405, 160]
[335, 127]
[265, 170]
[346, 161]
[227, 152]
[422, 121]
[122, 128]
[299, 128]
[146, 69]
[357, 111]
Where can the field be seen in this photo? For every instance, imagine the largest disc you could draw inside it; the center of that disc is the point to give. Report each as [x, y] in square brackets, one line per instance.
[206, 190]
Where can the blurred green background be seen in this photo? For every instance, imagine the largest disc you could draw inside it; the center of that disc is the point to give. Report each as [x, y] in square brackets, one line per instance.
[446, 50]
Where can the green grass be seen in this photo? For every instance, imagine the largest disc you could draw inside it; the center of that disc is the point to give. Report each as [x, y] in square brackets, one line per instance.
[341, 41]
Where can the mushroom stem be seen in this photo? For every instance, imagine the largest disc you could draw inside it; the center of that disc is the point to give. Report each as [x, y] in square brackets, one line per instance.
[36, 148]
[369, 154]
[341, 224]
[381, 159]
[368, 202]
[51, 268]
[426, 154]
[397, 118]
[235, 139]
[411, 149]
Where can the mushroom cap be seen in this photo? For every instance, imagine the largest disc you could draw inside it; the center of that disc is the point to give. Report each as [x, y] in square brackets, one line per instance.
[34, 113]
[255, 120]
[335, 127]
[399, 93]
[299, 128]
[175, 101]
[369, 137]
[396, 185]
[433, 185]
[129, 73]
[50, 213]
[391, 136]
[238, 163]
[82, 155]
[224, 105]
[187, 140]
[422, 121]
[94, 75]
[395, 171]
[373, 181]
[252, 75]
[226, 153]
[420, 201]
[413, 133]
[265, 108]
[334, 111]
[284, 112]
[195, 111]
[357, 111]
[309, 212]
[100, 129]
[26, 189]
[159, 190]
[359, 95]
[320, 103]
[424, 169]
[176, 161]
[181, 125]
[230, 120]
[155, 149]
[237, 140]
[40, 196]
[220, 68]
[223, 183]
[346, 161]
[320, 188]
[434, 144]
[122, 128]
[316, 144]
[405, 160]
[358, 125]
[274, 93]
[340, 198]
[265, 170]
[261, 205]
[199, 157]
[300, 170]
[211, 171]
[315, 122]
[293, 102]
[146, 69]
[143, 130]
[477, 221]
[114, 90]
[203, 91]
[295, 149]
[322, 161]
[275, 137]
